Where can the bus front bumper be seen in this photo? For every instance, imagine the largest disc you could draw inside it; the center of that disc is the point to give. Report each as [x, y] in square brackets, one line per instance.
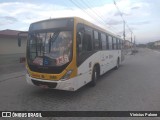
[68, 85]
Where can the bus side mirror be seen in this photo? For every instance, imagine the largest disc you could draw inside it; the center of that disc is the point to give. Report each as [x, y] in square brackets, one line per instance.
[20, 36]
[19, 42]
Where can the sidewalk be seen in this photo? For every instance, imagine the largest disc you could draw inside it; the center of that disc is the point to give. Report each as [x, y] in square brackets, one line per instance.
[11, 75]
[155, 50]
[158, 50]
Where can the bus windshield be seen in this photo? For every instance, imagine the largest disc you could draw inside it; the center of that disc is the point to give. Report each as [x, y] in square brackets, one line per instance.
[53, 48]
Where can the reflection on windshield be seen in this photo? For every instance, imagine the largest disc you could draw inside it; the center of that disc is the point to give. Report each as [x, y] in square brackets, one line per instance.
[51, 48]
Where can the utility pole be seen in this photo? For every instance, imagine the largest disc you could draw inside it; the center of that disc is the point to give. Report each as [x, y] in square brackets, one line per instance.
[132, 45]
[131, 37]
[134, 41]
[124, 34]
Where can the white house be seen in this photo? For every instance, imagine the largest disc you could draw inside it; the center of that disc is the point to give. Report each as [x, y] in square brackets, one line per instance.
[157, 44]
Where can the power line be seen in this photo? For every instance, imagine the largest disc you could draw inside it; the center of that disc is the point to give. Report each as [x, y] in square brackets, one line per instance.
[82, 9]
[100, 20]
[121, 15]
[93, 11]
[123, 20]
[98, 14]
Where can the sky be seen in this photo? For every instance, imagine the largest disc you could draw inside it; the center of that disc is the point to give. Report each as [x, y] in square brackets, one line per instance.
[142, 16]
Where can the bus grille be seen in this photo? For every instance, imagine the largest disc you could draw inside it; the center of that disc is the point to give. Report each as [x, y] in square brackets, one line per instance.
[48, 84]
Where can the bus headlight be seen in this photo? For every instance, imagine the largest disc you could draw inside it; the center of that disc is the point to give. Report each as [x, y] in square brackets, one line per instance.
[67, 75]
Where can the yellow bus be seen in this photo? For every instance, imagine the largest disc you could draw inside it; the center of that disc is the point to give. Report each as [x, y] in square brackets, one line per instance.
[68, 53]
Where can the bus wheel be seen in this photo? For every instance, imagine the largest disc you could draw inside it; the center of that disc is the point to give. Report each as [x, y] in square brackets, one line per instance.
[117, 65]
[94, 77]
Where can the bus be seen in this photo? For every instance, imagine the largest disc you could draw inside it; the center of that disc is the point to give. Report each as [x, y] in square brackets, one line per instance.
[68, 53]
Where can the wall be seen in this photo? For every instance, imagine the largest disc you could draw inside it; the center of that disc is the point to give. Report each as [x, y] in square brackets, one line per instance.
[9, 45]
[157, 43]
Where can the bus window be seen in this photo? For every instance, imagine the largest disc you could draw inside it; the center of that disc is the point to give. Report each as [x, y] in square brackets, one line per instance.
[107, 43]
[114, 44]
[104, 44]
[84, 40]
[100, 41]
[120, 44]
[79, 42]
[96, 41]
[88, 36]
[117, 43]
[86, 43]
[80, 33]
[110, 42]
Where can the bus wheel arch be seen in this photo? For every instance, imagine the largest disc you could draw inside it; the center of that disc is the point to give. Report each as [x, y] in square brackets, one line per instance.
[95, 74]
[117, 63]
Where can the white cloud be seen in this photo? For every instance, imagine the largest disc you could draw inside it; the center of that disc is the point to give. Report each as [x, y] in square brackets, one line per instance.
[5, 20]
[26, 13]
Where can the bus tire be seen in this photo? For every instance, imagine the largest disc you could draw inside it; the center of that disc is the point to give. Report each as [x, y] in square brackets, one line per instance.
[94, 77]
[117, 65]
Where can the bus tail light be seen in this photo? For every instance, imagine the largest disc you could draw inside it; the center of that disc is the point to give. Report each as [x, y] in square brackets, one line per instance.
[67, 75]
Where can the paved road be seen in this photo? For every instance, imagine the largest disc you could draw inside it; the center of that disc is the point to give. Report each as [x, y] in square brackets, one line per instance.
[10, 63]
[134, 86]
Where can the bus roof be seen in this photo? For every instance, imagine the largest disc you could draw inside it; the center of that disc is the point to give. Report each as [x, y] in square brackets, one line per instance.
[81, 20]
